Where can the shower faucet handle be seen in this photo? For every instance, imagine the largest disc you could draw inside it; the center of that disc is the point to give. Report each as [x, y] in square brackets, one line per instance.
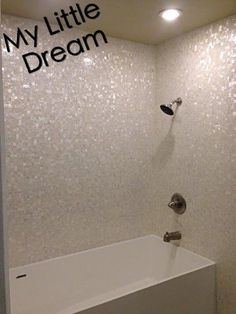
[178, 204]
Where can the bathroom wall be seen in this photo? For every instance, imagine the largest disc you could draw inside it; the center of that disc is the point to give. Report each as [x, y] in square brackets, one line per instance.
[4, 284]
[92, 160]
[195, 153]
[4, 306]
[78, 142]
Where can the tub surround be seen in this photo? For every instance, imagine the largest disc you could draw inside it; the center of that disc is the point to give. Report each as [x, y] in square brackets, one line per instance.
[195, 154]
[78, 146]
[4, 288]
[94, 160]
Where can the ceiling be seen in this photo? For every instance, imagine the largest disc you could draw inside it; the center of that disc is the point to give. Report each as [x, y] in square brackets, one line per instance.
[136, 20]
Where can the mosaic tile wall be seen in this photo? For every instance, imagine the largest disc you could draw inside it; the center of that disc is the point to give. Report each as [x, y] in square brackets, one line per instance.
[196, 151]
[78, 144]
[92, 160]
[3, 236]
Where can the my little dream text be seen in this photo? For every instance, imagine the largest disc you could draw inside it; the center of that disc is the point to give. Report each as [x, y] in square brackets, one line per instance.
[73, 17]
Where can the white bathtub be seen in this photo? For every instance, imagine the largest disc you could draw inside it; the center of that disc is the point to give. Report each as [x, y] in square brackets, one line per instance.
[140, 276]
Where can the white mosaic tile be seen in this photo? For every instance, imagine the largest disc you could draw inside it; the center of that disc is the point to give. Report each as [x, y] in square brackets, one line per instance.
[197, 155]
[77, 139]
[93, 160]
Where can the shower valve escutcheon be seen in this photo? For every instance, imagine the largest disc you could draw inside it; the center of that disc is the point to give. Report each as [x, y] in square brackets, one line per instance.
[178, 204]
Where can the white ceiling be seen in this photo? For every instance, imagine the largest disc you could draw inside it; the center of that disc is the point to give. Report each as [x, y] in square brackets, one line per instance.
[135, 20]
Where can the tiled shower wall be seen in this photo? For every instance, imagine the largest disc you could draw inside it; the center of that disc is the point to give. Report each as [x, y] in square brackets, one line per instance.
[197, 155]
[78, 146]
[92, 160]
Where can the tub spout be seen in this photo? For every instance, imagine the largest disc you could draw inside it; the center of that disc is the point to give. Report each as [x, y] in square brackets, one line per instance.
[169, 236]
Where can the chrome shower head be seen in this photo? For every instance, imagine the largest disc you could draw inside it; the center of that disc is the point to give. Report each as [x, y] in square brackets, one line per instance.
[167, 109]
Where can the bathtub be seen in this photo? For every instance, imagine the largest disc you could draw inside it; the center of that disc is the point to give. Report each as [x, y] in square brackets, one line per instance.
[139, 276]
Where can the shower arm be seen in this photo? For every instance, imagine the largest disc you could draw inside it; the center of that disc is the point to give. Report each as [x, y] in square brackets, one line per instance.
[177, 101]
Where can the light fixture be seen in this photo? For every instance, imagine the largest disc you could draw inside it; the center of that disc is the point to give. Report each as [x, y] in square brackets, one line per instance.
[170, 14]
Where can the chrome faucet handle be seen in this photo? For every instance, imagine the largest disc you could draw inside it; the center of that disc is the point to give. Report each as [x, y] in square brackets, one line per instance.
[178, 204]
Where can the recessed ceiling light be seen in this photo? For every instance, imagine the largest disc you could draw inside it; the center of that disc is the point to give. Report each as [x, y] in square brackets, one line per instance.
[170, 14]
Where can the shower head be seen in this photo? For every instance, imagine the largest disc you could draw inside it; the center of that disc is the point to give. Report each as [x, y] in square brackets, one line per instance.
[167, 109]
